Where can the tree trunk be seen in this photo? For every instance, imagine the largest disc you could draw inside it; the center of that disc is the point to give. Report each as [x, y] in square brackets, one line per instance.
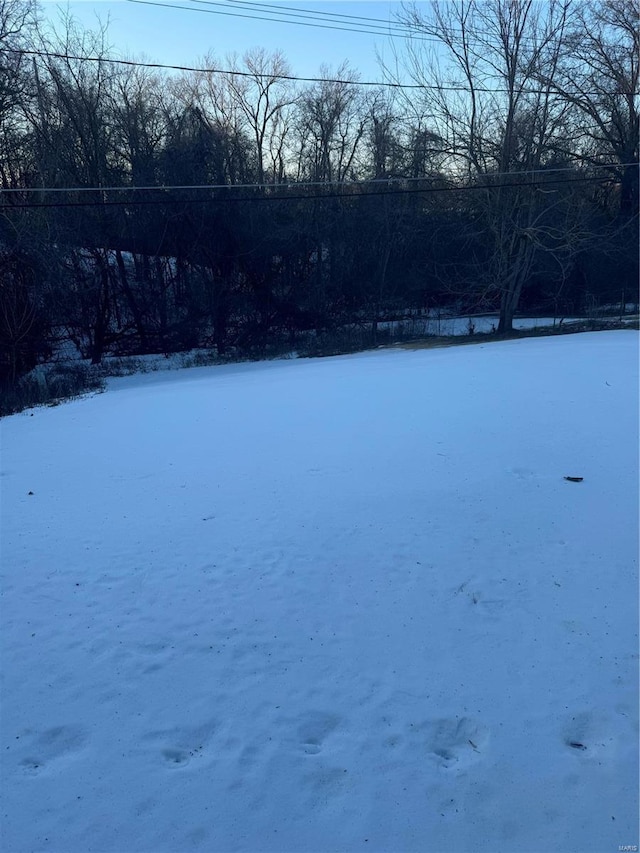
[133, 306]
[512, 289]
[99, 341]
[507, 310]
[629, 191]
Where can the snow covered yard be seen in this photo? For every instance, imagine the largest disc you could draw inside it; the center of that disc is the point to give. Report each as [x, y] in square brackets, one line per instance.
[347, 604]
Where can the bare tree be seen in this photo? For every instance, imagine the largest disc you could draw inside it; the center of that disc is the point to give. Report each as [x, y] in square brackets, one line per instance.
[17, 23]
[383, 136]
[331, 124]
[139, 127]
[263, 97]
[71, 114]
[24, 324]
[208, 97]
[599, 75]
[496, 123]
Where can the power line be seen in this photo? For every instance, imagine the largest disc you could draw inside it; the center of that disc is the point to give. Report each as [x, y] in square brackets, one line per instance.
[367, 25]
[134, 63]
[304, 23]
[410, 28]
[298, 184]
[381, 27]
[402, 29]
[304, 197]
[324, 14]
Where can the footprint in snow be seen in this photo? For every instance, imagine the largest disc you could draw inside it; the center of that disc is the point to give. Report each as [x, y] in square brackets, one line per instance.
[313, 728]
[43, 750]
[454, 742]
[177, 747]
[489, 597]
[522, 473]
[589, 733]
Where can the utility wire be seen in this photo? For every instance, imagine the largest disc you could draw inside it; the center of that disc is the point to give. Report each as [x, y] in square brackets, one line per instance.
[324, 14]
[303, 197]
[410, 28]
[134, 63]
[285, 17]
[299, 184]
[304, 23]
[367, 25]
[403, 29]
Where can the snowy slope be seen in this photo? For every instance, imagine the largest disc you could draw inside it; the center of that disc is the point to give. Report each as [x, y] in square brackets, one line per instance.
[347, 604]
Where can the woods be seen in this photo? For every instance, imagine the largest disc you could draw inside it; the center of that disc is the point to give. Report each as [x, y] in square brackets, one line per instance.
[145, 210]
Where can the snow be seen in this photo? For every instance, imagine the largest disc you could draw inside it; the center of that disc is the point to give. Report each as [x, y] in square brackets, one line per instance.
[470, 324]
[432, 325]
[342, 604]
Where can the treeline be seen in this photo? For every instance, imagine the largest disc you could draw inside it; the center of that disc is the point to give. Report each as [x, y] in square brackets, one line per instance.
[506, 178]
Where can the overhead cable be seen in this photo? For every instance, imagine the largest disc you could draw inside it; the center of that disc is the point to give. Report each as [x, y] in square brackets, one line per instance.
[288, 16]
[298, 184]
[304, 23]
[306, 196]
[324, 14]
[134, 63]
[402, 29]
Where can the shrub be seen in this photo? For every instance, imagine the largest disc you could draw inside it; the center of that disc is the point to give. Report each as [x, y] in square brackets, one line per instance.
[49, 386]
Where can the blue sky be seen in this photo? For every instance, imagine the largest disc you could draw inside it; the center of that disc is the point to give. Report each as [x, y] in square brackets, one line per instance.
[181, 36]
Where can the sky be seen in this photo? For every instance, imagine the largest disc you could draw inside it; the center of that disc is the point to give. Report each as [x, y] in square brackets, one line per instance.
[183, 35]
